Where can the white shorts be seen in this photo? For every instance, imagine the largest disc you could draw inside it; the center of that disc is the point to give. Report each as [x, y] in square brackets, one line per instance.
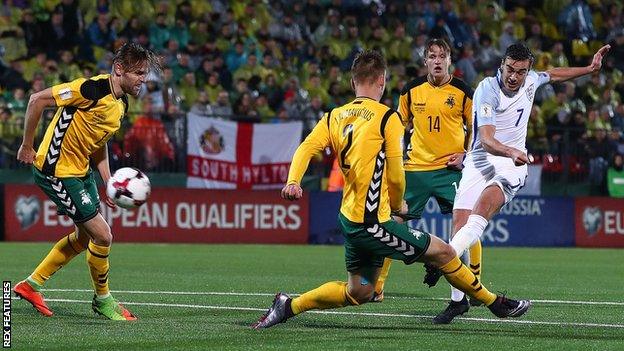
[482, 170]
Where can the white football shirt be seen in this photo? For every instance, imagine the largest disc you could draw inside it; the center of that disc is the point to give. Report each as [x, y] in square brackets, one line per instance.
[509, 114]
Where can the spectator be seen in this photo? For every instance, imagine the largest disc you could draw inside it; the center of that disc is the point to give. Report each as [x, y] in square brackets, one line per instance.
[599, 152]
[180, 32]
[212, 87]
[236, 57]
[264, 111]
[188, 90]
[576, 21]
[33, 33]
[202, 105]
[68, 69]
[222, 108]
[465, 67]
[158, 32]
[507, 37]
[488, 57]
[148, 141]
[615, 177]
[133, 29]
[101, 32]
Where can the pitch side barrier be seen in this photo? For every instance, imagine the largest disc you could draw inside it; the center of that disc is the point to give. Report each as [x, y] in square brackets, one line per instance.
[525, 221]
[238, 216]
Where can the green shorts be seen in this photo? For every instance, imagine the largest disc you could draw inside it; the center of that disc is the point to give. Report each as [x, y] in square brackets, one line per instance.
[75, 197]
[366, 245]
[421, 185]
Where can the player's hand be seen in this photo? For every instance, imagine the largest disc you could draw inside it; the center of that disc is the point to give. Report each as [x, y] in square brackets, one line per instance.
[400, 215]
[596, 63]
[110, 203]
[520, 158]
[456, 161]
[292, 192]
[26, 154]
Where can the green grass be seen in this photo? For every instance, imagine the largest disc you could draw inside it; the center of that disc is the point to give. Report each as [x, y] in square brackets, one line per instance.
[214, 322]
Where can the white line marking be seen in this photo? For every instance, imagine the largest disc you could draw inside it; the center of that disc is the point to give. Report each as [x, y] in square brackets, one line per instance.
[367, 314]
[220, 293]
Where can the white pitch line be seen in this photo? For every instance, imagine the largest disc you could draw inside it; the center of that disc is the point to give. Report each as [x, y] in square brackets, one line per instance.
[220, 293]
[366, 314]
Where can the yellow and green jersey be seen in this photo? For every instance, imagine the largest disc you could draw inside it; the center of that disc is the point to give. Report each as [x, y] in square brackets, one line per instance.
[364, 134]
[87, 117]
[442, 120]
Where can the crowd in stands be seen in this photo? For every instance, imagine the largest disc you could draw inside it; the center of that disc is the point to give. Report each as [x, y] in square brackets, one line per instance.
[273, 61]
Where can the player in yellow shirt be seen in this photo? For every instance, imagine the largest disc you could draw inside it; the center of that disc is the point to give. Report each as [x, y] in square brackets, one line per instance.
[366, 135]
[89, 113]
[438, 110]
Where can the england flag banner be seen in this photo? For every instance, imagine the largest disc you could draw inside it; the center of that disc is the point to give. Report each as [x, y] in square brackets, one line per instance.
[231, 155]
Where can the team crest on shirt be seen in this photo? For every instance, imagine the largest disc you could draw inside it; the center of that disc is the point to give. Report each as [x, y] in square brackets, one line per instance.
[416, 233]
[85, 198]
[530, 91]
[450, 101]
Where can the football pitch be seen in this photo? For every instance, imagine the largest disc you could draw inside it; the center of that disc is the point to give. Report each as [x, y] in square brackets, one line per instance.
[198, 297]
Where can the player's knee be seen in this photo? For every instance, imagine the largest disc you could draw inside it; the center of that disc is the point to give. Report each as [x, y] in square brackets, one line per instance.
[444, 255]
[103, 237]
[362, 293]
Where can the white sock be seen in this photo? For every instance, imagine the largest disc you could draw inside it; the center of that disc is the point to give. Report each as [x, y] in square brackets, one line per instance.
[456, 294]
[102, 297]
[468, 234]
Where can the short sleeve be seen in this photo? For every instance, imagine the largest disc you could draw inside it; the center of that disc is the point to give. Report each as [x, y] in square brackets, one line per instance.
[69, 94]
[485, 103]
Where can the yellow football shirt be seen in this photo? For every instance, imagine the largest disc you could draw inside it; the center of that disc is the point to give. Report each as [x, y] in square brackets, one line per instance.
[87, 116]
[441, 118]
[364, 134]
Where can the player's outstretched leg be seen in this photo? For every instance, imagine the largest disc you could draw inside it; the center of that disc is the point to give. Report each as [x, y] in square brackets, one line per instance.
[29, 293]
[329, 295]
[279, 312]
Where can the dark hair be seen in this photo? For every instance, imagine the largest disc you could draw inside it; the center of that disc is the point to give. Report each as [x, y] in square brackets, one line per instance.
[131, 54]
[367, 66]
[437, 42]
[519, 52]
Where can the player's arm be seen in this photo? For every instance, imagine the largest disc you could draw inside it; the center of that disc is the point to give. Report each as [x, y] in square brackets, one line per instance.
[495, 147]
[404, 111]
[36, 104]
[315, 142]
[100, 157]
[468, 122]
[560, 74]
[395, 176]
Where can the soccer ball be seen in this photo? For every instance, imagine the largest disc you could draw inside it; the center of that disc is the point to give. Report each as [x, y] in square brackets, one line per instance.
[128, 188]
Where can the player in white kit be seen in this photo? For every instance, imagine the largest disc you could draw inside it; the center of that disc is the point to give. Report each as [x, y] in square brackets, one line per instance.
[496, 166]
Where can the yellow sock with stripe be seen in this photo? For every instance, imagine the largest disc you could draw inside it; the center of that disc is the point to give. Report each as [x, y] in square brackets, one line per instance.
[381, 281]
[329, 295]
[97, 259]
[62, 252]
[475, 259]
[459, 276]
